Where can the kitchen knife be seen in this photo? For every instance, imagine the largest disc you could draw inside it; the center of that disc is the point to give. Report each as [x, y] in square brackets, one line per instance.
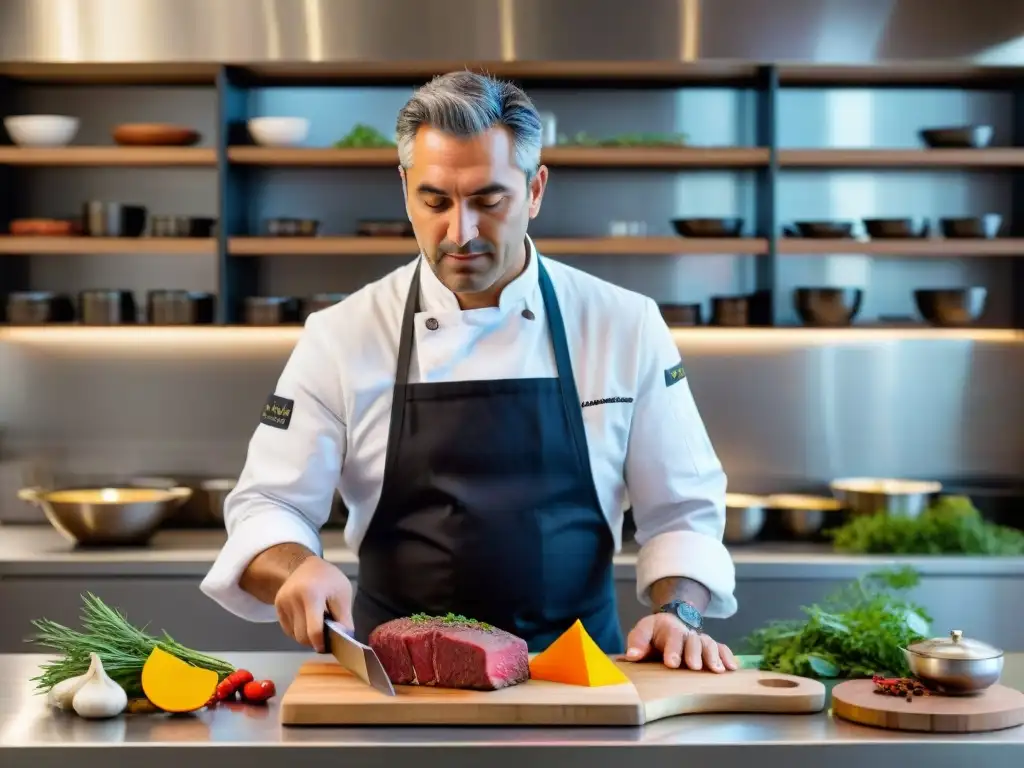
[361, 660]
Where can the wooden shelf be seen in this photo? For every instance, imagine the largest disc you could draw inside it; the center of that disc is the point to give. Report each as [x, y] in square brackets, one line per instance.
[401, 246]
[109, 156]
[908, 247]
[996, 157]
[113, 73]
[580, 157]
[906, 74]
[107, 245]
[577, 73]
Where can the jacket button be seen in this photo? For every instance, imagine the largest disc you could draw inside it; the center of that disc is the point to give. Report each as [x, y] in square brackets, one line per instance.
[432, 324]
[528, 314]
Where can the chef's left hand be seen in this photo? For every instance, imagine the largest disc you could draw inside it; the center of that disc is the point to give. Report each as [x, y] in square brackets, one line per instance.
[678, 644]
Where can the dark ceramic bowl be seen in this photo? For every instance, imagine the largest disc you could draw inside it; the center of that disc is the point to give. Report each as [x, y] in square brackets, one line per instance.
[820, 229]
[827, 307]
[986, 226]
[963, 137]
[728, 227]
[896, 228]
[951, 307]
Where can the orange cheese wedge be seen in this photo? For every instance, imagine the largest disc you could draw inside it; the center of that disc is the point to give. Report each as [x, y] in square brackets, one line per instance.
[575, 659]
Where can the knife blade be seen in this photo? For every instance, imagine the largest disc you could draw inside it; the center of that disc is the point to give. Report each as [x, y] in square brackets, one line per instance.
[361, 660]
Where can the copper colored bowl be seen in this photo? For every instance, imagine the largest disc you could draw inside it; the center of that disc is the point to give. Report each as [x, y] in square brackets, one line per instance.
[155, 135]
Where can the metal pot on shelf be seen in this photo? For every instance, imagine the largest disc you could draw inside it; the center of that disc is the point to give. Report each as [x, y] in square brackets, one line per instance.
[893, 497]
[955, 665]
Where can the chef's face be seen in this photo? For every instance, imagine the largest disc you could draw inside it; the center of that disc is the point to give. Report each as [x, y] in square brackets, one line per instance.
[470, 205]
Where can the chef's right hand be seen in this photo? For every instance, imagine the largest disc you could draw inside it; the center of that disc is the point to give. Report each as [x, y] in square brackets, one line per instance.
[313, 589]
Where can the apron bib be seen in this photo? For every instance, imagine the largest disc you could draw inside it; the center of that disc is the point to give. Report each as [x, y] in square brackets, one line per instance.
[488, 507]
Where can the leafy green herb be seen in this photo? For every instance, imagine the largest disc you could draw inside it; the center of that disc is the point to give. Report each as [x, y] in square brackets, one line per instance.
[625, 140]
[951, 526]
[363, 137]
[122, 648]
[857, 631]
[454, 619]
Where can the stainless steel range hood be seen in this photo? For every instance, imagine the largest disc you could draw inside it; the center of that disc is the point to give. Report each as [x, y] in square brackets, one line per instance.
[833, 31]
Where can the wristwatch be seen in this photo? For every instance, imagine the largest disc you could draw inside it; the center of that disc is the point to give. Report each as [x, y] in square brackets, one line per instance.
[686, 613]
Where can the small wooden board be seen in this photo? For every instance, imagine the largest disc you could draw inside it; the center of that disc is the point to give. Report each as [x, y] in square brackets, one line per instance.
[324, 693]
[994, 709]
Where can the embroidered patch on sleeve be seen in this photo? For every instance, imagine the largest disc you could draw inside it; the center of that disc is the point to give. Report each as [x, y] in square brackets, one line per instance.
[674, 375]
[277, 412]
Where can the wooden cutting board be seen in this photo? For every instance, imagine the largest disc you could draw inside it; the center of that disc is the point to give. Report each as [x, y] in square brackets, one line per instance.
[996, 708]
[324, 693]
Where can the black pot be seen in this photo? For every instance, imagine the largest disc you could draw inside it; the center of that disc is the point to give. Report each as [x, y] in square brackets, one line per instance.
[681, 314]
[181, 226]
[273, 310]
[98, 307]
[180, 307]
[321, 301]
[100, 219]
[39, 308]
[730, 310]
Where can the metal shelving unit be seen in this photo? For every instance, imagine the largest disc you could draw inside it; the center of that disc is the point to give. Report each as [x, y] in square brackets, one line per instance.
[236, 162]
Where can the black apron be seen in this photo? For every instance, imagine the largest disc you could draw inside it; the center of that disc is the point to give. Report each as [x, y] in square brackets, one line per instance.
[488, 507]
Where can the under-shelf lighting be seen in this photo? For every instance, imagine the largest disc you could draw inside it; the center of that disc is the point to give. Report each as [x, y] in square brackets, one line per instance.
[182, 340]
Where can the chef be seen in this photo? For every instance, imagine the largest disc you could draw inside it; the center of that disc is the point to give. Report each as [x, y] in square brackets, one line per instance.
[486, 415]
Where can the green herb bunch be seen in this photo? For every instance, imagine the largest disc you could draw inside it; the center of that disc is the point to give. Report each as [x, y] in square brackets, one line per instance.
[950, 526]
[858, 631]
[122, 648]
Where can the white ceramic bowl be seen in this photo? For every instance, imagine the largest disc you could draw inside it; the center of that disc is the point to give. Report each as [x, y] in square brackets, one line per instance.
[279, 131]
[41, 130]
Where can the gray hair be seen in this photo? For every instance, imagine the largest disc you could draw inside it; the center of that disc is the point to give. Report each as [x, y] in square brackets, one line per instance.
[466, 104]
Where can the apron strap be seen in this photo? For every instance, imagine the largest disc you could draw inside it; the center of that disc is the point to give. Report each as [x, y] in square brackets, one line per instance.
[398, 395]
[566, 380]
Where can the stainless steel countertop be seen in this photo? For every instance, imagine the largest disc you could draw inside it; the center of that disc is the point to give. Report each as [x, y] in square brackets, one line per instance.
[30, 733]
[27, 550]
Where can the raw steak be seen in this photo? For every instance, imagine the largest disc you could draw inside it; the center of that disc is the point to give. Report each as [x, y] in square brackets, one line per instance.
[450, 652]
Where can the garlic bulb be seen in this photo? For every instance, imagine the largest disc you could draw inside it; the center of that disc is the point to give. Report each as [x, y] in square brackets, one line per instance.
[99, 696]
[61, 695]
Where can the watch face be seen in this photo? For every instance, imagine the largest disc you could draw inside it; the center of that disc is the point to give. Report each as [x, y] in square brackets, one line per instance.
[690, 615]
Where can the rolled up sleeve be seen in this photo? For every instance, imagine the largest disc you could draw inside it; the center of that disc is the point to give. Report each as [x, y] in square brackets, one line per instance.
[286, 487]
[675, 482]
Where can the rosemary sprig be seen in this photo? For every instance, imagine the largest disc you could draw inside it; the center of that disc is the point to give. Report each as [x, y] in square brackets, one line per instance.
[122, 647]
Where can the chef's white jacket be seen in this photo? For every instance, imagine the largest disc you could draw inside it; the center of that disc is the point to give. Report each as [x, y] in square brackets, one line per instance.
[649, 441]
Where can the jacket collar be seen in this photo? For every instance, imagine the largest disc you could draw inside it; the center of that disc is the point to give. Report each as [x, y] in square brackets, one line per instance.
[436, 297]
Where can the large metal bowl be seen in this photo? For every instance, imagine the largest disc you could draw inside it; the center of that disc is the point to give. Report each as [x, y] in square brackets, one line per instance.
[744, 517]
[806, 516]
[106, 516]
[893, 497]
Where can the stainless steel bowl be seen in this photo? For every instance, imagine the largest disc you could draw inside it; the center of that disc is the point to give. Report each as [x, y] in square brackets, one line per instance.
[955, 665]
[216, 491]
[893, 497]
[805, 516]
[744, 517]
[106, 516]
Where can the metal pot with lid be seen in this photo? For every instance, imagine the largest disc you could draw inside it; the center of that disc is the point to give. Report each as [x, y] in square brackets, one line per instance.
[955, 664]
